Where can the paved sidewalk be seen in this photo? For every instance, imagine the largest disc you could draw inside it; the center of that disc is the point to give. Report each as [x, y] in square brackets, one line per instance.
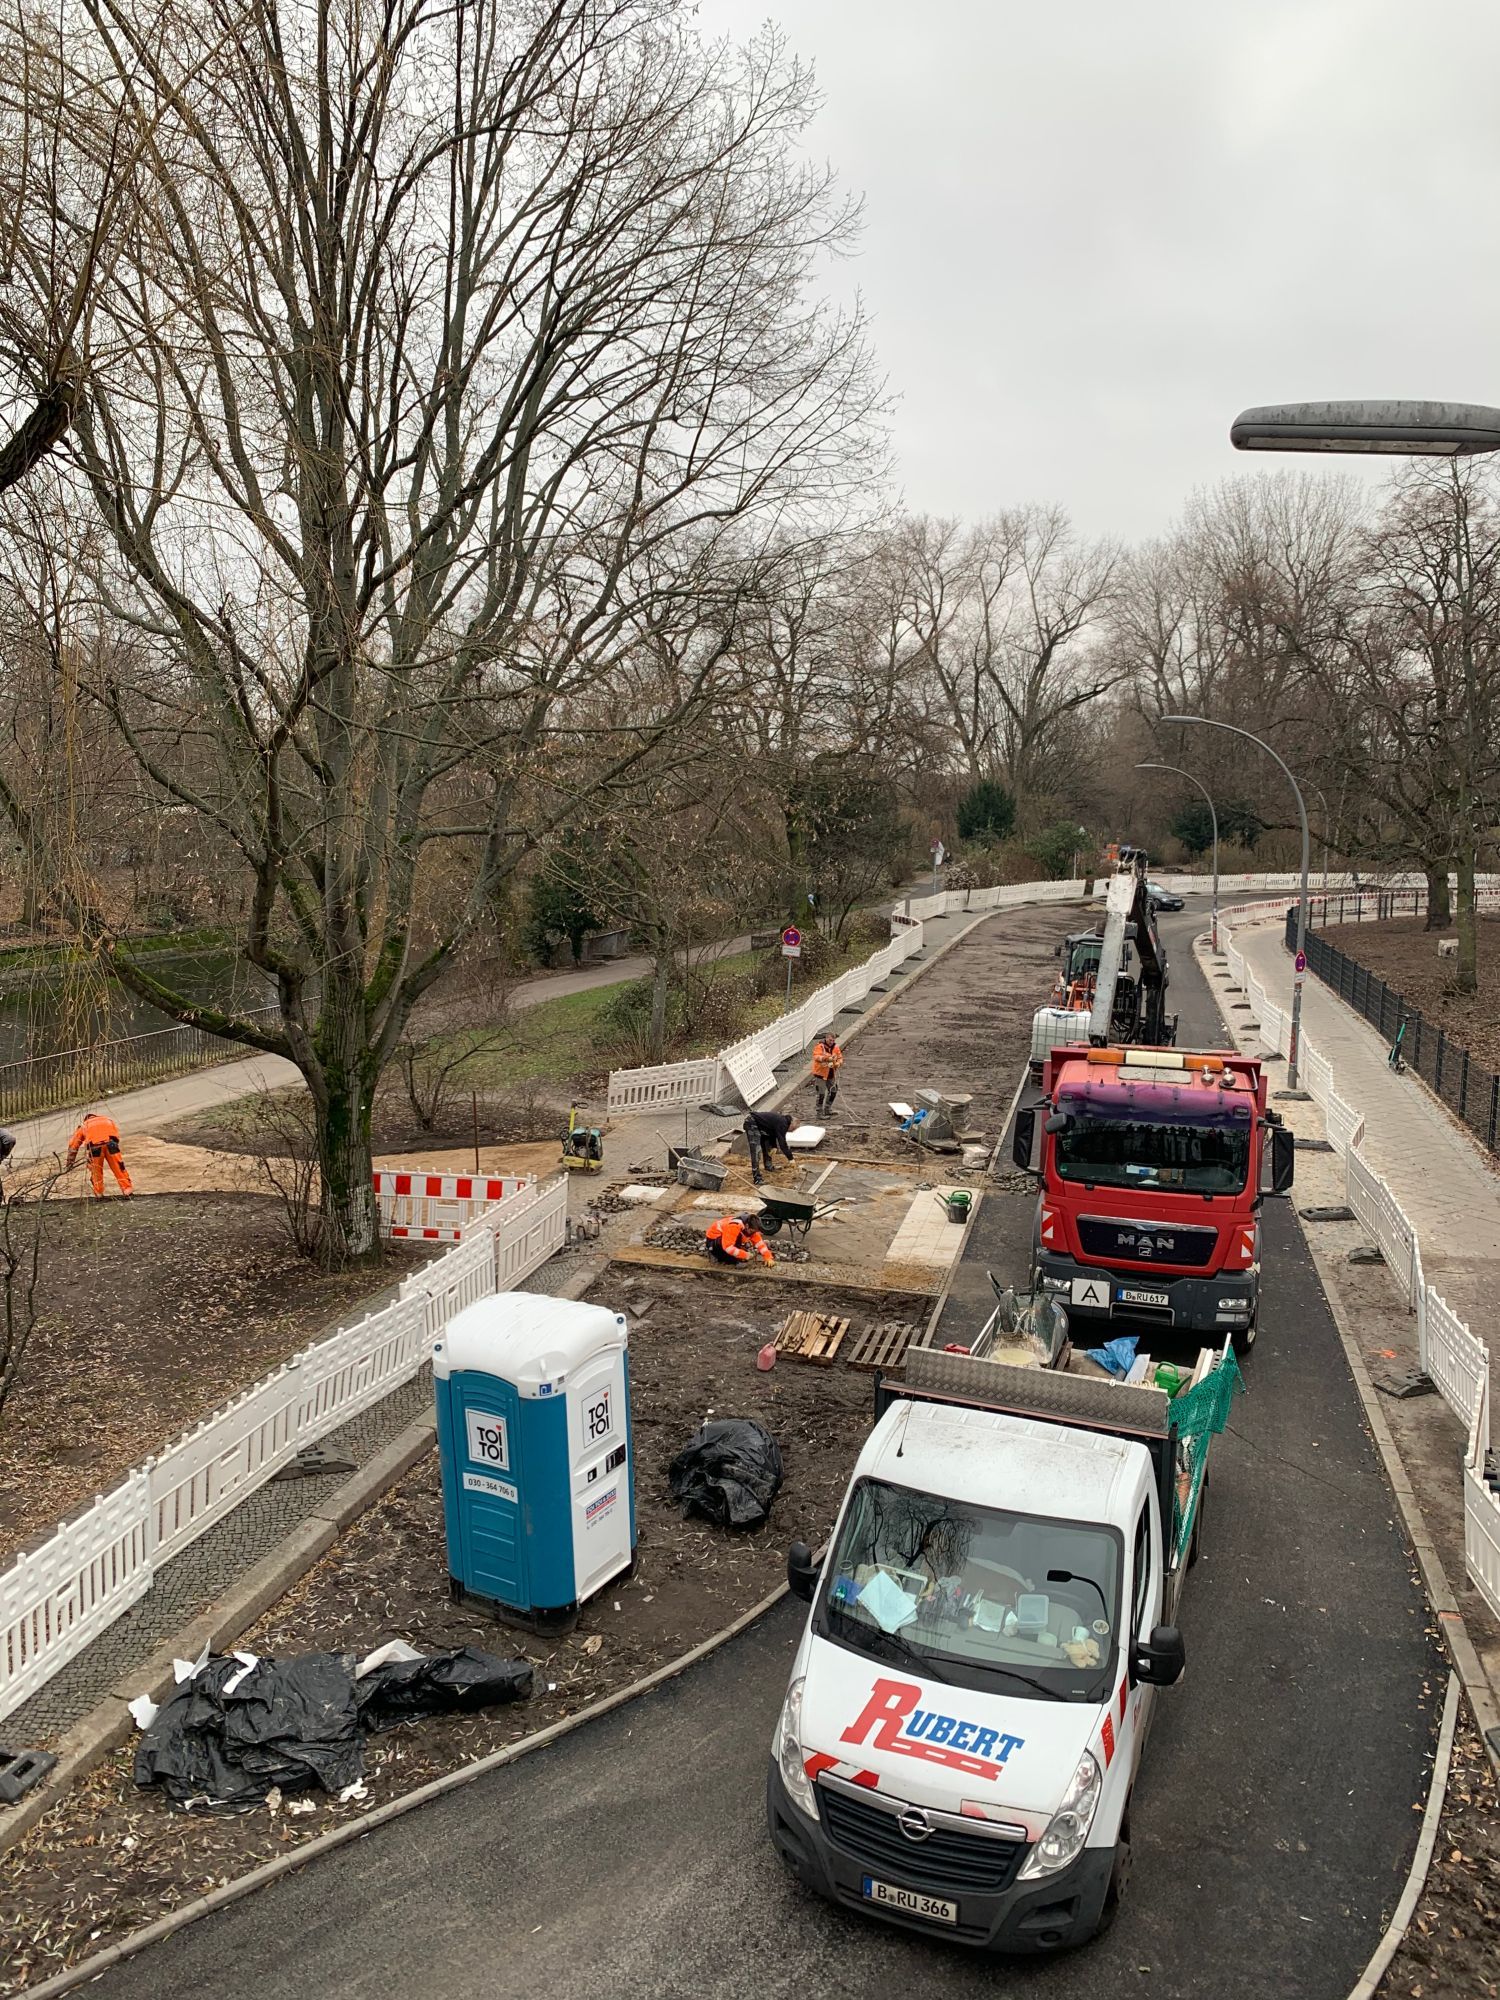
[1436, 1172]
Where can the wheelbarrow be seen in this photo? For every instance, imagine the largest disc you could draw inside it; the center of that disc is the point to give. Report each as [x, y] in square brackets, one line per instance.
[796, 1213]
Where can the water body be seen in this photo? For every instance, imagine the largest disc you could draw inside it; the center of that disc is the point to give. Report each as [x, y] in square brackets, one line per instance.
[67, 1003]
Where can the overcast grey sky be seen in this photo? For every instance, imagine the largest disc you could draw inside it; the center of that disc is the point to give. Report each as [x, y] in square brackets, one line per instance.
[1095, 229]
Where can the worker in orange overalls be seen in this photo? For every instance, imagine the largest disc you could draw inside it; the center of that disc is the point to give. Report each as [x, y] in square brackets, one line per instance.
[827, 1061]
[100, 1135]
[731, 1239]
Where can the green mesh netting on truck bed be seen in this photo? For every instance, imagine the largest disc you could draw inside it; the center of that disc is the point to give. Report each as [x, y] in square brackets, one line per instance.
[1199, 1414]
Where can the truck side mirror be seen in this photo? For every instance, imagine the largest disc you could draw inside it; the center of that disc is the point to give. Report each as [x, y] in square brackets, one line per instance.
[1025, 1140]
[801, 1572]
[1283, 1160]
[1159, 1663]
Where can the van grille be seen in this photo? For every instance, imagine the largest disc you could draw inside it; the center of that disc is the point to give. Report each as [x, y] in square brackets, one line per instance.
[945, 1862]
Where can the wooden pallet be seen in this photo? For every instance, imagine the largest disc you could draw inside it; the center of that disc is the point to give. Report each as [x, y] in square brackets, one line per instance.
[811, 1336]
[882, 1344]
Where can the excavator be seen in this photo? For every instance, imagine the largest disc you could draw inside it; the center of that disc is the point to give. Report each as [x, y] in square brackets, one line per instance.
[1112, 986]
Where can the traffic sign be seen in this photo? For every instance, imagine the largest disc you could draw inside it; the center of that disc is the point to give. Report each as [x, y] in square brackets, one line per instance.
[1301, 961]
[791, 942]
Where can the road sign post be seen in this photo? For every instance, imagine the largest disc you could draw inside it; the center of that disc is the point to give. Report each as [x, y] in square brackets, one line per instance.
[791, 947]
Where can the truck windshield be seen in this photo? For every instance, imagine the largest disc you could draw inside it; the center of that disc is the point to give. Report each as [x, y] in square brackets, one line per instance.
[1008, 1603]
[1154, 1137]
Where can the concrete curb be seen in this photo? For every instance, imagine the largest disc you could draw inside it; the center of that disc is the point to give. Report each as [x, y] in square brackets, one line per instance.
[108, 1724]
[1369, 1980]
[1461, 1649]
[357, 1829]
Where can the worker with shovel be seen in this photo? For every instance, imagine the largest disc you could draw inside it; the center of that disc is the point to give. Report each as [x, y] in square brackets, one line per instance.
[765, 1134]
[827, 1061]
[100, 1136]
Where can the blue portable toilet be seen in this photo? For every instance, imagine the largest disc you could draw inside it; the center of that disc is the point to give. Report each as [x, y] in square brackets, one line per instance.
[533, 1424]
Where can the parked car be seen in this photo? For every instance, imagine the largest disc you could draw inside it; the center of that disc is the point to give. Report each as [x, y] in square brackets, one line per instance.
[1163, 898]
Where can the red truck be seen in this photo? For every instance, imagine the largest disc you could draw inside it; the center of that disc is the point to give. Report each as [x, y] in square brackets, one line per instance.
[1153, 1166]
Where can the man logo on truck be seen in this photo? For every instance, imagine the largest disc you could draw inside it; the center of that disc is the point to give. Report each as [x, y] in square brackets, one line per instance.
[938, 1739]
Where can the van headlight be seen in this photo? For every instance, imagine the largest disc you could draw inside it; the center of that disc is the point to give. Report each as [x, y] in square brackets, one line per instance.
[789, 1751]
[1068, 1827]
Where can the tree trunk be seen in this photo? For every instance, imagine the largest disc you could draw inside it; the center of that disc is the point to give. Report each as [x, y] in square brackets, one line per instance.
[1439, 909]
[1467, 976]
[345, 1170]
[661, 972]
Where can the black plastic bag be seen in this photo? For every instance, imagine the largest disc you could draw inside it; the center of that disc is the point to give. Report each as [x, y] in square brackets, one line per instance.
[729, 1472]
[408, 1690]
[231, 1733]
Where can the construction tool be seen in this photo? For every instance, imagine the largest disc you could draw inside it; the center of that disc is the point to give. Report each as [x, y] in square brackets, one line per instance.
[582, 1145]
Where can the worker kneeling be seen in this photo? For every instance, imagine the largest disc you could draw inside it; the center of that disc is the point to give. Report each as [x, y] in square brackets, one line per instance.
[100, 1137]
[731, 1239]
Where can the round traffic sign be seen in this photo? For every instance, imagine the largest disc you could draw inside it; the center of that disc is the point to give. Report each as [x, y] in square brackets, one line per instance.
[1301, 961]
[791, 935]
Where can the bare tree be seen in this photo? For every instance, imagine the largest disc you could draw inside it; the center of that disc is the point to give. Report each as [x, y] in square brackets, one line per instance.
[23, 1232]
[449, 328]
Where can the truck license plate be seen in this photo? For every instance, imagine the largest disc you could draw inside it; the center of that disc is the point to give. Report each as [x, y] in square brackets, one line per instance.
[912, 1901]
[1132, 1295]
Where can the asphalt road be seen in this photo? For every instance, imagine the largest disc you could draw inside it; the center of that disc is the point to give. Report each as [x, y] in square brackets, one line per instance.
[1273, 1819]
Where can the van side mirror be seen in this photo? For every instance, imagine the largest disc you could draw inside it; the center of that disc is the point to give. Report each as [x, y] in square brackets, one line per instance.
[1159, 1663]
[1057, 951]
[1025, 1139]
[1278, 1172]
[801, 1572]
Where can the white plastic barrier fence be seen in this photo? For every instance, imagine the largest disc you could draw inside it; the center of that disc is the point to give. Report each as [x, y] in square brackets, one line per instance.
[751, 1062]
[1455, 1358]
[1481, 1506]
[436, 1206]
[55, 1600]
[660, 1086]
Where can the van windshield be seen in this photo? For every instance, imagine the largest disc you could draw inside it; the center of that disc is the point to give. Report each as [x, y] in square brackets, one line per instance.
[1154, 1137]
[1006, 1603]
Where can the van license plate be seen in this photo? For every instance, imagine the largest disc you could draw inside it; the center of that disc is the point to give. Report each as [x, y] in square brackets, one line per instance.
[912, 1901]
[1132, 1295]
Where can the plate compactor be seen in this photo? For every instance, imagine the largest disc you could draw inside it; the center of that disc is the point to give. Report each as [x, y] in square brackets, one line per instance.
[582, 1145]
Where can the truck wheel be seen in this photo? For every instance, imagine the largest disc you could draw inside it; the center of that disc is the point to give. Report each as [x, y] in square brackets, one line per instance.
[1244, 1338]
[1119, 1881]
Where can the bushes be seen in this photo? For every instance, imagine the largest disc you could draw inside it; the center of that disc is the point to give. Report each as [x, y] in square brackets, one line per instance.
[986, 812]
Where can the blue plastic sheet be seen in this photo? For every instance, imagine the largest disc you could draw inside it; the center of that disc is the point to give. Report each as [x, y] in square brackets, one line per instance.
[1118, 1355]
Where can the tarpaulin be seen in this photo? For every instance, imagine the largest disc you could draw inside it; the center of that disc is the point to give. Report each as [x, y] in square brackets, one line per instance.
[729, 1472]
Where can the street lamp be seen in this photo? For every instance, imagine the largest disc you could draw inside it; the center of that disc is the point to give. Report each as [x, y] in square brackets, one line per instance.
[1214, 920]
[1425, 430]
[1324, 797]
[1295, 1040]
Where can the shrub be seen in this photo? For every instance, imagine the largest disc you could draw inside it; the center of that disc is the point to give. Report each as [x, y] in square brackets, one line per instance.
[986, 812]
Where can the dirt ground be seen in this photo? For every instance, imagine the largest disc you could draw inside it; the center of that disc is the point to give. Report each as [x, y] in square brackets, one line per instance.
[1452, 1950]
[1404, 955]
[152, 1313]
[111, 1858]
[165, 1166]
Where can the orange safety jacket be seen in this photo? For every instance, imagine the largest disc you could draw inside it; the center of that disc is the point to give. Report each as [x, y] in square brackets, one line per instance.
[826, 1059]
[98, 1133]
[732, 1236]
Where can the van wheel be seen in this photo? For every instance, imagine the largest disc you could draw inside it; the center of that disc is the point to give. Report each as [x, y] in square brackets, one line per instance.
[1119, 1881]
[1244, 1338]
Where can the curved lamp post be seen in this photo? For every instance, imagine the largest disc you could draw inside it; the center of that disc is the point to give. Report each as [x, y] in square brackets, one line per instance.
[1295, 1041]
[1214, 920]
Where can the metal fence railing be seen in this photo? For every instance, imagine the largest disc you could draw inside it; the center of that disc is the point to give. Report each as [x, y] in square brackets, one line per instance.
[1465, 1085]
[72, 1076]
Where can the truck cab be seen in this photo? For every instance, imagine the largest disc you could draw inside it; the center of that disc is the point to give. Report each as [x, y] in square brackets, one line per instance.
[1153, 1164]
[973, 1689]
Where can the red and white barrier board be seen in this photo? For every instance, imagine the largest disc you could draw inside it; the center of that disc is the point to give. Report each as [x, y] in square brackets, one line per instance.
[437, 1206]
